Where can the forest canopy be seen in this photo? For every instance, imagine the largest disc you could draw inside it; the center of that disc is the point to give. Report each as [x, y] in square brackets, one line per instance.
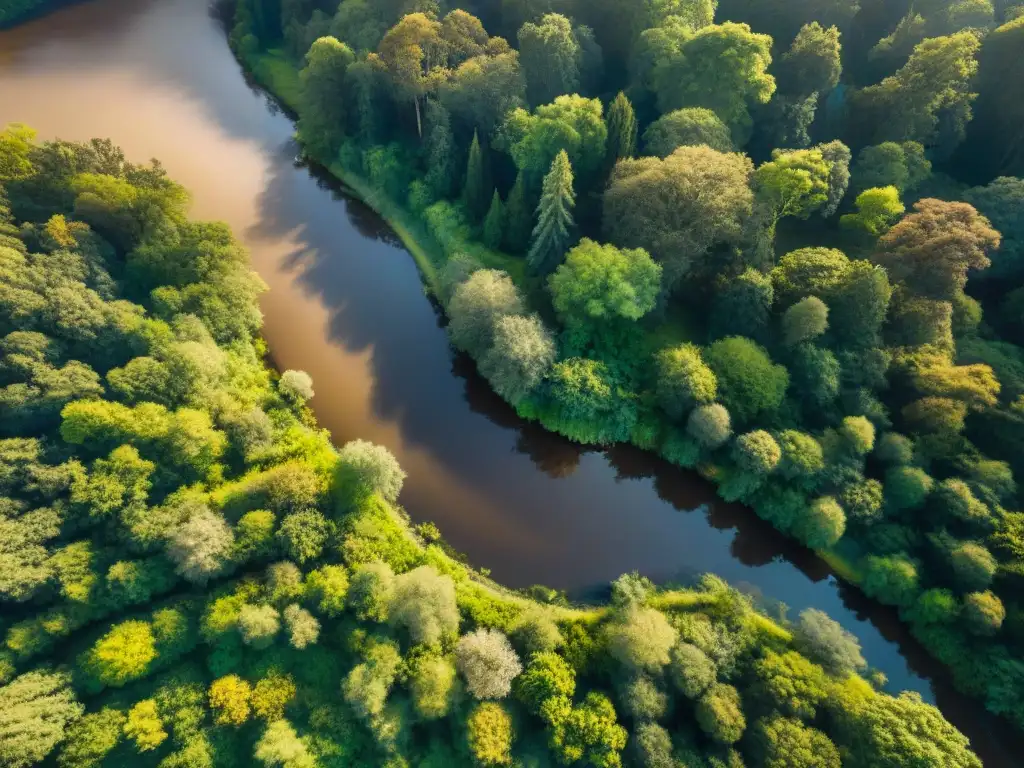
[194, 576]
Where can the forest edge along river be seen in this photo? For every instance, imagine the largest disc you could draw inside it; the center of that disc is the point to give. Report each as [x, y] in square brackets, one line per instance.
[346, 305]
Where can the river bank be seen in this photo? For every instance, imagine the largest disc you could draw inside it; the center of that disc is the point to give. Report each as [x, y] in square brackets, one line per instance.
[273, 71]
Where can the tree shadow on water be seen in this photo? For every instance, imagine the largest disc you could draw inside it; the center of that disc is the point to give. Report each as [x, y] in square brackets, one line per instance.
[554, 455]
[341, 253]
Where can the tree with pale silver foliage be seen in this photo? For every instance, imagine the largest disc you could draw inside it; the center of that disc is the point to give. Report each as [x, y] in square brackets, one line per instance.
[303, 628]
[296, 386]
[201, 547]
[641, 639]
[476, 306]
[424, 606]
[488, 662]
[364, 469]
[522, 352]
[823, 640]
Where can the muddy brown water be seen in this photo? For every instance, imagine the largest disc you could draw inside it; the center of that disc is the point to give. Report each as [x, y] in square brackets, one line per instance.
[346, 305]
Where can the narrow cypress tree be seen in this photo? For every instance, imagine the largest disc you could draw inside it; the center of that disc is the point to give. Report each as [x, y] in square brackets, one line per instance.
[622, 130]
[476, 191]
[494, 223]
[439, 148]
[553, 233]
[365, 84]
[518, 217]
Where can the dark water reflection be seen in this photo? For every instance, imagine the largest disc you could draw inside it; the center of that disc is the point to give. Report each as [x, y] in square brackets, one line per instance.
[346, 305]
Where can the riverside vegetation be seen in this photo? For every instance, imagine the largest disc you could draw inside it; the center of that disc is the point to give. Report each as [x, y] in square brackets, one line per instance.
[192, 575]
[744, 237]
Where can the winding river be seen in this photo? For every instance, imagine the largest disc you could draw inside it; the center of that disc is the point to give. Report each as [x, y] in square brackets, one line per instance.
[346, 304]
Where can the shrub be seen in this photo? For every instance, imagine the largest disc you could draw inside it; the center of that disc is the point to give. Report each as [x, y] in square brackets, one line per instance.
[455, 272]
[935, 606]
[591, 404]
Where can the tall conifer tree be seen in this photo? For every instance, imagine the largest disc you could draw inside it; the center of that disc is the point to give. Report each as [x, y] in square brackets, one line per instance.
[476, 191]
[494, 224]
[553, 233]
[439, 147]
[518, 217]
[622, 130]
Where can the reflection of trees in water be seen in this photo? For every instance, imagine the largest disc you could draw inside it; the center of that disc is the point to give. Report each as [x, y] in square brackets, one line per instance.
[274, 107]
[629, 462]
[366, 221]
[552, 454]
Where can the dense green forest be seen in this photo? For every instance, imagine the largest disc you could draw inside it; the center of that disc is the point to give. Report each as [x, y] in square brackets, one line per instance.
[779, 243]
[191, 575]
